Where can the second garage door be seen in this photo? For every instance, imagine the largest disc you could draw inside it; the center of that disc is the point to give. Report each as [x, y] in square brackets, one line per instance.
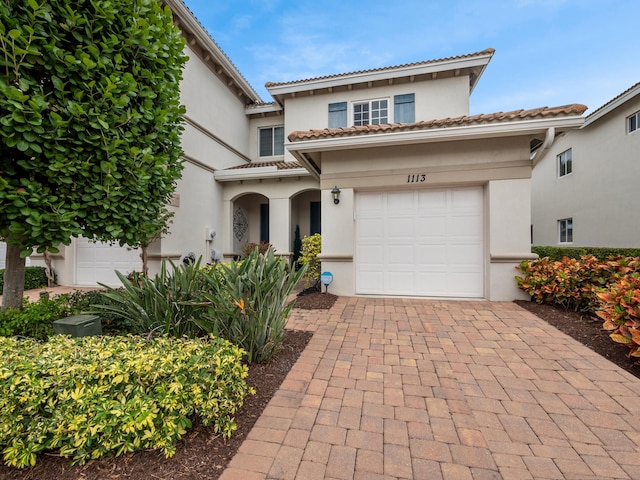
[420, 242]
[97, 262]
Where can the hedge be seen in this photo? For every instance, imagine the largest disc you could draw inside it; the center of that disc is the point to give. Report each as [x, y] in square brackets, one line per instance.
[34, 277]
[94, 396]
[601, 253]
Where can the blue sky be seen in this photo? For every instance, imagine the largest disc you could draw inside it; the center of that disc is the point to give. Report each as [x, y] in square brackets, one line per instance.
[548, 52]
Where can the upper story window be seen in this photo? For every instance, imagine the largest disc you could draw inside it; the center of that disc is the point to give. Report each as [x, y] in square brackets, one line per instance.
[271, 141]
[373, 112]
[404, 108]
[337, 115]
[565, 230]
[633, 122]
[564, 163]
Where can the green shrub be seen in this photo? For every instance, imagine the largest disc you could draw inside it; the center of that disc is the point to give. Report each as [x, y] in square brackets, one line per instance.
[311, 248]
[601, 253]
[93, 396]
[34, 277]
[112, 323]
[248, 302]
[297, 245]
[164, 305]
[35, 320]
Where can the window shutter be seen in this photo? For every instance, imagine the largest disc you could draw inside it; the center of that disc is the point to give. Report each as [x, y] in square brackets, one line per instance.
[266, 145]
[338, 115]
[404, 108]
[278, 141]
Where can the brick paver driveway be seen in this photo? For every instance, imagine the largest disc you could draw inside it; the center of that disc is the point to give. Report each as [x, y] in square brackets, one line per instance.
[425, 389]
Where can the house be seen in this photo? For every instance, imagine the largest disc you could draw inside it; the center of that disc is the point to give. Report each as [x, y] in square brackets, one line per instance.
[412, 195]
[585, 187]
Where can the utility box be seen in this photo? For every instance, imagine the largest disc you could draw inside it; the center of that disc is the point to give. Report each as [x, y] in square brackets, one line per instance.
[78, 325]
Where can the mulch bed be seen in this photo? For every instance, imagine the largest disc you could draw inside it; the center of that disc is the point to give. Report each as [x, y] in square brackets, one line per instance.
[587, 329]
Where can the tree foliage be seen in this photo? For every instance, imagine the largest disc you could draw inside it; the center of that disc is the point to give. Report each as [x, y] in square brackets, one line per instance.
[90, 120]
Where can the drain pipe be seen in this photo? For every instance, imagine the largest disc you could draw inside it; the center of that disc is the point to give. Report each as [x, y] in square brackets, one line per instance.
[548, 140]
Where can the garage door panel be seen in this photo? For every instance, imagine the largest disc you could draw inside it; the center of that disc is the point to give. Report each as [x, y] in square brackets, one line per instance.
[431, 243]
[371, 281]
[431, 255]
[400, 228]
[399, 201]
[371, 227]
[431, 225]
[369, 202]
[432, 200]
[98, 262]
[401, 255]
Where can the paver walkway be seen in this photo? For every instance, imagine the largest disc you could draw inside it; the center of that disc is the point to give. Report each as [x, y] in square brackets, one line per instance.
[403, 388]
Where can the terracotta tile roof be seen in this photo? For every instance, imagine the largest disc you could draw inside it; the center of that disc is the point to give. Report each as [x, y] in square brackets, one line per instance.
[488, 51]
[463, 121]
[278, 165]
[262, 104]
[613, 100]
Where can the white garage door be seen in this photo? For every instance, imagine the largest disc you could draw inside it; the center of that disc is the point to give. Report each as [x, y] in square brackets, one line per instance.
[420, 242]
[3, 253]
[97, 262]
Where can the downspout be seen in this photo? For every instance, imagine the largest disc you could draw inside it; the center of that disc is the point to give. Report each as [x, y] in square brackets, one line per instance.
[548, 140]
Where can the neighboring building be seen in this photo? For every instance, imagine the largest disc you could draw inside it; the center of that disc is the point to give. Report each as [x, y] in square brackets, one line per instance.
[432, 201]
[585, 188]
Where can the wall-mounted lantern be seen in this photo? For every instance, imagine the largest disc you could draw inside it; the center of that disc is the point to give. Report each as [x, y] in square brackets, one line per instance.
[336, 195]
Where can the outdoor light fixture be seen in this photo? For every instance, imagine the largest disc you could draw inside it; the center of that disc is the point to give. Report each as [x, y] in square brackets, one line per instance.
[336, 195]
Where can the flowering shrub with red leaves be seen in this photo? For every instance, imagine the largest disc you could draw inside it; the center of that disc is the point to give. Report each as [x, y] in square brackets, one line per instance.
[610, 289]
[620, 310]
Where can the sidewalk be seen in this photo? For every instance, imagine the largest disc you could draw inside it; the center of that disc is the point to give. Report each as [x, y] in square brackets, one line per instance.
[420, 389]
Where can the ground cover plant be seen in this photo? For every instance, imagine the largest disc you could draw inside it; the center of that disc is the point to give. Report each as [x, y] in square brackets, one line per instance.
[608, 288]
[85, 398]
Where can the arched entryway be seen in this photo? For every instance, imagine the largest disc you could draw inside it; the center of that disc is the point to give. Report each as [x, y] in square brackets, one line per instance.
[250, 220]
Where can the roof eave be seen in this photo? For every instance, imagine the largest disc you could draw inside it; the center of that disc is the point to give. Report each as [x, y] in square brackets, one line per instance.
[444, 134]
[258, 173]
[480, 61]
[612, 105]
[196, 34]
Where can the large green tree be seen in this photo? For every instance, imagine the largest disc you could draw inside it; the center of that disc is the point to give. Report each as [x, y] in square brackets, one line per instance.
[90, 124]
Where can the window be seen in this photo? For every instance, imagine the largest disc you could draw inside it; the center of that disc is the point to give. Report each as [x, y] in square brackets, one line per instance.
[633, 122]
[564, 163]
[565, 230]
[271, 141]
[375, 112]
[337, 115]
[404, 108]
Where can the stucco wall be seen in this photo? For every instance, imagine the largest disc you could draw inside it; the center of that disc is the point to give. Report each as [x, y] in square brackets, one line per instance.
[601, 192]
[501, 165]
[433, 99]
[211, 104]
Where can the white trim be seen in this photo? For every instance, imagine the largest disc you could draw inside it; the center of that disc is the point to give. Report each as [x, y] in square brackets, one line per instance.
[467, 132]
[386, 74]
[625, 97]
[258, 173]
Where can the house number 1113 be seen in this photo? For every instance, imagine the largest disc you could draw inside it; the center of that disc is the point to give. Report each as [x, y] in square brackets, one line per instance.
[417, 178]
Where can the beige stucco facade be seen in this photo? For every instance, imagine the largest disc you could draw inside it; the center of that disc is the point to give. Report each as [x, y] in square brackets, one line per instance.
[454, 189]
[601, 192]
